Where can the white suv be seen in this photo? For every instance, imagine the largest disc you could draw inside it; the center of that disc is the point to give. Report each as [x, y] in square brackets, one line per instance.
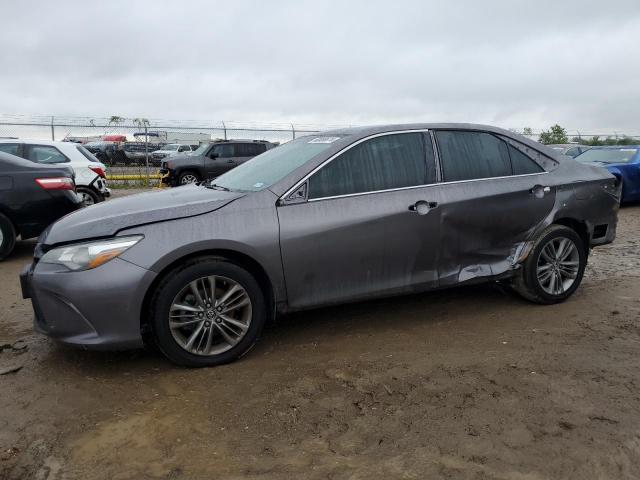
[89, 171]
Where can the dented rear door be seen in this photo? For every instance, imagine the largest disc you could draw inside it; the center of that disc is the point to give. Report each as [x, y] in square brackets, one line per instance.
[485, 221]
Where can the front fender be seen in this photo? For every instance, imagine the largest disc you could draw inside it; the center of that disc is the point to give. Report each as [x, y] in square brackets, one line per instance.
[249, 229]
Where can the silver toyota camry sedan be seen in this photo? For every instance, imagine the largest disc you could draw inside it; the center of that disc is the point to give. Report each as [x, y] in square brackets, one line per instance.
[336, 217]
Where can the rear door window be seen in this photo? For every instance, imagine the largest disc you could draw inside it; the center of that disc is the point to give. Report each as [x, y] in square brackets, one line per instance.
[381, 163]
[249, 149]
[45, 154]
[467, 155]
[11, 148]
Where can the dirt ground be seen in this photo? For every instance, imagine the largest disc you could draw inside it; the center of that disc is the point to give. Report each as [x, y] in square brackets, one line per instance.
[471, 383]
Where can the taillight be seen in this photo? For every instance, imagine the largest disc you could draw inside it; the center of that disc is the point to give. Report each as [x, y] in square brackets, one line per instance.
[56, 183]
[98, 170]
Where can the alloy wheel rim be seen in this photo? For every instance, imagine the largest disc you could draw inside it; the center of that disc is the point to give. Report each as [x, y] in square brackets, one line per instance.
[210, 315]
[558, 265]
[188, 179]
[87, 199]
[1, 237]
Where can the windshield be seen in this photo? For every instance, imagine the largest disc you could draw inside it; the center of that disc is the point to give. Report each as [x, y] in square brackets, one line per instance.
[200, 150]
[267, 168]
[171, 146]
[608, 155]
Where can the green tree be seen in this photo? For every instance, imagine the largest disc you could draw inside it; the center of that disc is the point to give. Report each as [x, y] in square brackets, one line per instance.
[141, 122]
[527, 131]
[555, 134]
[116, 120]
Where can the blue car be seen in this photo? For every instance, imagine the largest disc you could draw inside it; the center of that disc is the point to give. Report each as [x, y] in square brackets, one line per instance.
[623, 161]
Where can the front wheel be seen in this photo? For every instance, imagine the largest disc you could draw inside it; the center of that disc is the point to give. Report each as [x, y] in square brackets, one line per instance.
[554, 268]
[188, 177]
[207, 312]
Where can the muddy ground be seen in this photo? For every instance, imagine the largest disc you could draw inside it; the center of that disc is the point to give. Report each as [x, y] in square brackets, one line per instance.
[471, 383]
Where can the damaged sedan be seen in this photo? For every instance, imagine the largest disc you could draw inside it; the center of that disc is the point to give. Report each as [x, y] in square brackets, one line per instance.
[342, 216]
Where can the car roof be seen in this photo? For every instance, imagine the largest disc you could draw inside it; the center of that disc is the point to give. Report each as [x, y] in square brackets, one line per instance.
[27, 140]
[366, 131]
[30, 141]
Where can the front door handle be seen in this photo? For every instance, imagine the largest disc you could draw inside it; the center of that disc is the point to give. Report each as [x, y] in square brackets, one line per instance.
[422, 207]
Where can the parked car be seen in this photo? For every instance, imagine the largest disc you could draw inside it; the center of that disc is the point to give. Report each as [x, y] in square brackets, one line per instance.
[569, 149]
[210, 160]
[103, 151]
[623, 162]
[342, 216]
[32, 196]
[169, 150]
[90, 174]
[136, 152]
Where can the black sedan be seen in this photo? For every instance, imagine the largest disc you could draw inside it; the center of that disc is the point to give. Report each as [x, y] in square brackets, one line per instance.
[32, 196]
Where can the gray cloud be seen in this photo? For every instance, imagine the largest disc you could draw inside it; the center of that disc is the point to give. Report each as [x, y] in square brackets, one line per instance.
[512, 64]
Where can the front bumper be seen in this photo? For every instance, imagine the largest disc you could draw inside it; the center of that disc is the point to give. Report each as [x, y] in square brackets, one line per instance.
[166, 177]
[95, 309]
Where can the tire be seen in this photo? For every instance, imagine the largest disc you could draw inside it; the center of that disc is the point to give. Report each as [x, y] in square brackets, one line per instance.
[535, 282]
[180, 342]
[89, 196]
[187, 177]
[7, 236]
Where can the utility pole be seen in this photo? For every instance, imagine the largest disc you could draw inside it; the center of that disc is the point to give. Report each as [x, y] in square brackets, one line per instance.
[53, 134]
[146, 150]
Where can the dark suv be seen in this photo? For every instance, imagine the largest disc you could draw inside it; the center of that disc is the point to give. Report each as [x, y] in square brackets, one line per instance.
[210, 160]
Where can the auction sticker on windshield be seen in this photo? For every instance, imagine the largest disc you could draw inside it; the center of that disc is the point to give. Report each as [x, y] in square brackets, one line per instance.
[324, 140]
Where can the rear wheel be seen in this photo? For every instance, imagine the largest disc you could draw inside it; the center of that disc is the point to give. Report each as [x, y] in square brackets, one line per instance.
[207, 312]
[554, 268]
[188, 177]
[89, 196]
[7, 236]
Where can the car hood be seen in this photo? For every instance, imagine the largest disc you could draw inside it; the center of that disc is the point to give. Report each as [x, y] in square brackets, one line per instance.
[108, 218]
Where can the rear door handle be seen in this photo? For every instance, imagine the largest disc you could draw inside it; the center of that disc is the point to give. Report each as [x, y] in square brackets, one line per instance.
[540, 190]
[422, 207]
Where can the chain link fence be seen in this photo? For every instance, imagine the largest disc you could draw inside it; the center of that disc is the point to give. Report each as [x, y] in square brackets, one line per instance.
[125, 145]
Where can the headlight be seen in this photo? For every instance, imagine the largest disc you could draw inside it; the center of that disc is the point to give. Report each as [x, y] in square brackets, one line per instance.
[85, 256]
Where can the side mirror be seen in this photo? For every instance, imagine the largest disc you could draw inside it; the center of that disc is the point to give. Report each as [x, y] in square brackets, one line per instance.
[213, 156]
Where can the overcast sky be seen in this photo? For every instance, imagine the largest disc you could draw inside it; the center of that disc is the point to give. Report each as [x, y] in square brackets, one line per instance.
[508, 63]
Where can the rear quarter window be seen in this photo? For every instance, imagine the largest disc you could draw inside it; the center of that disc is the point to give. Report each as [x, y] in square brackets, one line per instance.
[87, 154]
[521, 163]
